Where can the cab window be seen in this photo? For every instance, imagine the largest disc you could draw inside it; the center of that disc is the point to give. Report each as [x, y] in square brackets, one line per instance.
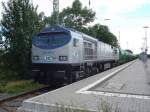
[75, 42]
[115, 51]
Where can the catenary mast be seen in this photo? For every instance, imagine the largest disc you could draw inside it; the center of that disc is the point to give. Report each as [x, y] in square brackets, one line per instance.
[56, 11]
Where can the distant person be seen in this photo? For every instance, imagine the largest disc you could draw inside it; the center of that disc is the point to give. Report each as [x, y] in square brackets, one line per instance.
[143, 57]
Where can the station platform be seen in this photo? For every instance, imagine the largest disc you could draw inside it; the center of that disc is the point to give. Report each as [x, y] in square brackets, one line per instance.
[125, 88]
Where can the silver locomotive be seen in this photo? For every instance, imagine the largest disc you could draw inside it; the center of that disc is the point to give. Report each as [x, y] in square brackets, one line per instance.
[60, 53]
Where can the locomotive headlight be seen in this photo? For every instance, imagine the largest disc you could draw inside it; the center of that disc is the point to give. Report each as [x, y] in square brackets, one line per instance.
[48, 58]
[63, 58]
[36, 58]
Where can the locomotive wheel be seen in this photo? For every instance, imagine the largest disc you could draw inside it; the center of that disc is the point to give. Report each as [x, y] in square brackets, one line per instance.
[88, 71]
[112, 65]
[42, 78]
[97, 70]
[35, 76]
[102, 67]
[76, 76]
[50, 79]
[69, 75]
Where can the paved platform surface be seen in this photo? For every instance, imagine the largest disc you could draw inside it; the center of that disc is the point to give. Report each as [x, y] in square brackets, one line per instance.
[125, 88]
[134, 80]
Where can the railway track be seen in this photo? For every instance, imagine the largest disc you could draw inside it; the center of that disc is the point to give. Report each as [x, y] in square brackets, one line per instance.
[11, 104]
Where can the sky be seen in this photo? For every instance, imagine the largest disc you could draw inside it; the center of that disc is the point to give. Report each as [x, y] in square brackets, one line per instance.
[126, 16]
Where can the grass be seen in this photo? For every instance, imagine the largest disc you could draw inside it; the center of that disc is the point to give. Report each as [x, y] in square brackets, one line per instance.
[11, 84]
[18, 86]
[103, 107]
[106, 107]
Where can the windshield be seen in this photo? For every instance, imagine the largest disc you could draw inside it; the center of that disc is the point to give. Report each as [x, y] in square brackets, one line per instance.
[51, 40]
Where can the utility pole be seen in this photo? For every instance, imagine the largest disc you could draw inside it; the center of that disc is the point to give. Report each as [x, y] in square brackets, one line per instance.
[56, 11]
[127, 45]
[89, 3]
[1, 37]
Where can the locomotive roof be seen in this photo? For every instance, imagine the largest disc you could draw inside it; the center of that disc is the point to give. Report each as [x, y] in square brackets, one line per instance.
[54, 29]
[59, 28]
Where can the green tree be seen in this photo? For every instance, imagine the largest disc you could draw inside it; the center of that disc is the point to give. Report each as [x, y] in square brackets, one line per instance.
[102, 33]
[49, 20]
[77, 17]
[20, 22]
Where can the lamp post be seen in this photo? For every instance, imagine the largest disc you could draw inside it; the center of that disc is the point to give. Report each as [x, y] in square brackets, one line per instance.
[145, 38]
[145, 47]
[107, 19]
[119, 38]
[103, 19]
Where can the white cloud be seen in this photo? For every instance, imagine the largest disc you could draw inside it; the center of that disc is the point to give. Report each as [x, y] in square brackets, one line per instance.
[44, 6]
[119, 6]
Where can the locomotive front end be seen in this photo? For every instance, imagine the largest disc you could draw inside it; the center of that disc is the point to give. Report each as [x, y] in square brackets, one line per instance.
[50, 54]
[50, 48]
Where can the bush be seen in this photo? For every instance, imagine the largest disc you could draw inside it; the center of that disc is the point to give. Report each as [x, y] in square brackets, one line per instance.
[148, 55]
